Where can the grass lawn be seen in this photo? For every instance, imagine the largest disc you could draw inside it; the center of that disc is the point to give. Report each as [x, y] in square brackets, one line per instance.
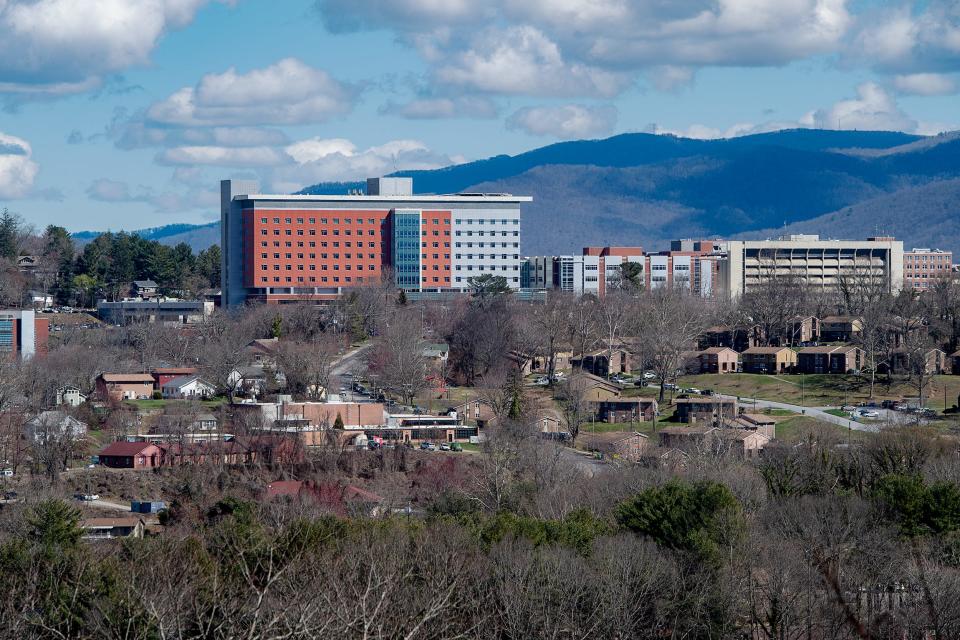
[146, 405]
[473, 448]
[607, 427]
[838, 412]
[822, 390]
[793, 429]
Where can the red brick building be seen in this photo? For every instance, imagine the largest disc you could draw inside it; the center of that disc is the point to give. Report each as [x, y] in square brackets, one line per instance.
[922, 268]
[22, 334]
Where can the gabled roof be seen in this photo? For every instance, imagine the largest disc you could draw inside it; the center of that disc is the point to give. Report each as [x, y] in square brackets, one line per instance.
[54, 418]
[717, 350]
[827, 349]
[760, 351]
[183, 371]
[127, 377]
[125, 448]
[145, 284]
[182, 381]
[687, 431]
[109, 523]
[838, 319]
[268, 345]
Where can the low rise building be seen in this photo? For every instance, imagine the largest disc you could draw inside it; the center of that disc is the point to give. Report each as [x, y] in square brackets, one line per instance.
[124, 386]
[625, 445]
[772, 360]
[55, 426]
[23, 334]
[163, 375]
[625, 410]
[708, 409]
[602, 363]
[111, 528]
[191, 387]
[159, 310]
[830, 359]
[714, 360]
[840, 328]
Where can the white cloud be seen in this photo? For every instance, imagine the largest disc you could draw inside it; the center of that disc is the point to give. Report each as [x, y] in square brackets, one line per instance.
[522, 60]
[322, 160]
[436, 108]
[565, 122]
[925, 84]
[874, 109]
[17, 169]
[59, 47]
[915, 37]
[288, 92]
[222, 156]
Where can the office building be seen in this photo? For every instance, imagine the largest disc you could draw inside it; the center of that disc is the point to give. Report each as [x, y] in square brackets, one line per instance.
[922, 268]
[819, 263]
[22, 334]
[290, 248]
[160, 310]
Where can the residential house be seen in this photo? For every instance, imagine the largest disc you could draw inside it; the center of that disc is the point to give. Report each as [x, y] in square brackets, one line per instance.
[935, 362]
[110, 528]
[55, 426]
[840, 328]
[131, 455]
[797, 332]
[742, 442]
[144, 289]
[163, 375]
[682, 438]
[625, 410]
[830, 359]
[603, 364]
[28, 264]
[250, 381]
[436, 353]
[124, 386]
[263, 351]
[706, 409]
[594, 388]
[617, 444]
[176, 423]
[536, 363]
[70, 396]
[737, 338]
[717, 360]
[551, 426]
[188, 387]
[746, 443]
[40, 300]
[774, 360]
[756, 422]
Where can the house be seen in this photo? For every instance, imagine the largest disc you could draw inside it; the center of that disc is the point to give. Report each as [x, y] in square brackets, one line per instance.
[131, 455]
[773, 360]
[175, 423]
[143, 289]
[714, 360]
[745, 443]
[537, 363]
[710, 409]
[263, 351]
[110, 528]
[603, 364]
[124, 386]
[26, 264]
[344, 500]
[55, 426]
[593, 388]
[625, 410]
[617, 444]
[830, 359]
[683, 437]
[551, 426]
[796, 332]
[840, 328]
[40, 300]
[70, 396]
[163, 375]
[737, 338]
[436, 353]
[756, 422]
[936, 362]
[188, 387]
[251, 381]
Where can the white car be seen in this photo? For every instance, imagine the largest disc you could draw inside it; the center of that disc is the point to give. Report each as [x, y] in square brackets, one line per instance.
[542, 381]
[649, 375]
[869, 414]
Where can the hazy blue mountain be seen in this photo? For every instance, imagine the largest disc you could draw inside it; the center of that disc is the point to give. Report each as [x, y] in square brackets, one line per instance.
[198, 236]
[647, 189]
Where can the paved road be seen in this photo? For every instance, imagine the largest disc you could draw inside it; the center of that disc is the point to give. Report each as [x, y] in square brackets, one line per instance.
[106, 504]
[348, 363]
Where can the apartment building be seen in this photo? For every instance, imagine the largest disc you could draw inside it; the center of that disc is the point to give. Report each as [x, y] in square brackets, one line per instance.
[819, 263]
[22, 334]
[922, 268]
[290, 248]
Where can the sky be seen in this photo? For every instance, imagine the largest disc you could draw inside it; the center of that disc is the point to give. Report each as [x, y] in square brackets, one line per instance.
[125, 114]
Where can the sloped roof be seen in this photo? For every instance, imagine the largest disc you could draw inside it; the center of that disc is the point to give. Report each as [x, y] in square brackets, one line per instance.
[145, 284]
[109, 523]
[717, 350]
[127, 377]
[762, 351]
[182, 381]
[125, 448]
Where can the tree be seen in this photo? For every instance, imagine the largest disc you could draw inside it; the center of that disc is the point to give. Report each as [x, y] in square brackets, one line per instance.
[630, 277]
[397, 360]
[668, 323]
[572, 394]
[486, 286]
[9, 235]
[55, 525]
[308, 366]
[700, 518]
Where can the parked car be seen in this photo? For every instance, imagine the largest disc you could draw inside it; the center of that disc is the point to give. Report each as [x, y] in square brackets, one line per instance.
[444, 446]
[669, 386]
[869, 413]
[542, 381]
[428, 446]
[456, 446]
[87, 497]
[707, 392]
[649, 375]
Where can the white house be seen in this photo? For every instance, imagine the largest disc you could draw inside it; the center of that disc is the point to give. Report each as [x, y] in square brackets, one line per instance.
[71, 396]
[188, 387]
[55, 425]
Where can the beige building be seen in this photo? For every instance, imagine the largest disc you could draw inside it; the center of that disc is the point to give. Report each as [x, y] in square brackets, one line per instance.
[819, 263]
[769, 360]
[922, 268]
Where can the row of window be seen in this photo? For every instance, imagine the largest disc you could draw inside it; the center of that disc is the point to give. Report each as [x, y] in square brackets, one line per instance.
[491, 267]
[337, 279]
[493, 245]
[313, 256]
[324, 232]
[313, 267]
[489, 233]
[484, 221]
[492, 256]
[324, 244]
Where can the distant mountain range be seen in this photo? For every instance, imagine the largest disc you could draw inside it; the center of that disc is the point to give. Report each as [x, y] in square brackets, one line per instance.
[647, 189]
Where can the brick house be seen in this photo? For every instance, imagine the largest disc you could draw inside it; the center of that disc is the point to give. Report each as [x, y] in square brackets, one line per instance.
[718, 360]
[838, 359]
[131, 455]
[124, 386]
[617, 444]
[625, 410]
[840, 328]
[162, 376]
[797, 331]
[707, 410]
[772, 360]
[599, 364]
[737, 338]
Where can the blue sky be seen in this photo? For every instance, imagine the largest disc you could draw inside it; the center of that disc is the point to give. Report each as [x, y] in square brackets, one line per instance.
[124, 114]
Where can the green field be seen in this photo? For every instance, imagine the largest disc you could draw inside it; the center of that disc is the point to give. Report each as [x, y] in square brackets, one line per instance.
[793, 429]
[147, 405]
[822, 390]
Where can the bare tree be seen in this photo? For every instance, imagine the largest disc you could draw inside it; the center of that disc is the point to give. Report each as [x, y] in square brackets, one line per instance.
[397, 360]
[669, 322]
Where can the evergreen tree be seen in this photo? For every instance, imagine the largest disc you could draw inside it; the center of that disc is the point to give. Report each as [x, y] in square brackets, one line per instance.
[9, 233]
